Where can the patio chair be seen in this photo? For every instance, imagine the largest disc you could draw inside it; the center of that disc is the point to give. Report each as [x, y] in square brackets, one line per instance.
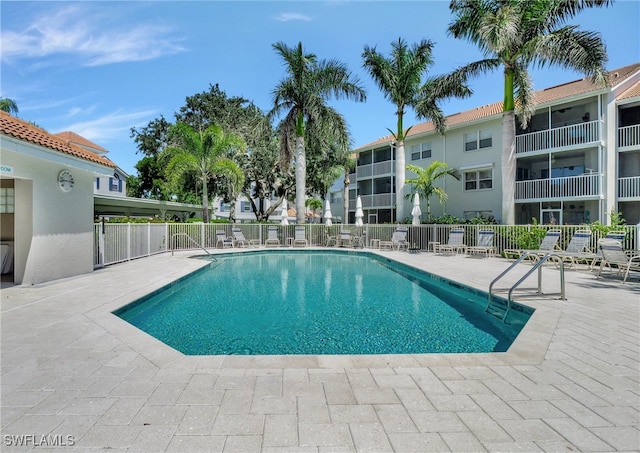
[222, 240]
[455, 243]
[549, 244]
[240, 241]
[484, 245]
[345, 238]
[614, 255]
[300, 238]
[578, 249]
[398, 240]
[618, 235]
[272, 237]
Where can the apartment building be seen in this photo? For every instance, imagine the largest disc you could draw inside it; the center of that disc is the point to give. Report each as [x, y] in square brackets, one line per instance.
[577, 160]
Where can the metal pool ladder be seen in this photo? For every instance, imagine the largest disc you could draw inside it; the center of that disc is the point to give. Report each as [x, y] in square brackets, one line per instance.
[496, 309]
[193, 241]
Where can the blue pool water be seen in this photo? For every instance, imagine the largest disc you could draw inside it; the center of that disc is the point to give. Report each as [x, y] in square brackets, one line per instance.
[320, 302]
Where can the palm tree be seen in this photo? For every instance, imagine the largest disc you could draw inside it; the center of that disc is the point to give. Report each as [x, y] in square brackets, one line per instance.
[424, 182]
[203, 153]
[9, 106]
[302, 96]
[514, 34]
[399, 77]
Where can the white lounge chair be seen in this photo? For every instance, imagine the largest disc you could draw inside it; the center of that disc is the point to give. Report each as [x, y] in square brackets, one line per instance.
[345, 238]
[549, 244]
[300, 237]
[614, 255]
[578, 250]
[222, 240]
[455, 243]
[484, 244]
[398, 240]
[272, 237]
[240, 241]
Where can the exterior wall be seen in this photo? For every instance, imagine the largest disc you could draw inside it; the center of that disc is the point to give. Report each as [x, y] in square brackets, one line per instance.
[53, 230]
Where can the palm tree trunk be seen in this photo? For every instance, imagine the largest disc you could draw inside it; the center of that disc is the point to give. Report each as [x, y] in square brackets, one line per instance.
[205, 202]
[400, 179]
[232, 211]
[301, 174]
[508, 167]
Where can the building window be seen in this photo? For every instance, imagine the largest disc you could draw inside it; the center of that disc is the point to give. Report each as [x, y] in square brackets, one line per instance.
[478, 140]
[115, 184]
[421, 151]
[245, 206]
[225, 207]
[480, 179]
[7, 200]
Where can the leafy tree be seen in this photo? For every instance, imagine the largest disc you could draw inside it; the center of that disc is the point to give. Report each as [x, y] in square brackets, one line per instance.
[202, 154]
[302, 97]
[424, 182]
[515, 34]
[9, 106]
[399, 77]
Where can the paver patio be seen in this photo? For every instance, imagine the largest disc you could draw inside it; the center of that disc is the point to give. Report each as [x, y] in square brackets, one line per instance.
[77, 376]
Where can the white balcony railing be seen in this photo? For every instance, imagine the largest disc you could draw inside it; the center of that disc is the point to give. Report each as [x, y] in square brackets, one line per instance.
[565, 187]
[629, 187]
[629, 136]
[575, 134]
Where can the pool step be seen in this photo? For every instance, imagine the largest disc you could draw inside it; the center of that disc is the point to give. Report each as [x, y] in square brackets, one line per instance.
[497, 308]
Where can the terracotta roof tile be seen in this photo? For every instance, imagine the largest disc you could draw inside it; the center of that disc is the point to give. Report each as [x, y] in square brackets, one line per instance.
[79, 140]
[551, 94]
[15, 127]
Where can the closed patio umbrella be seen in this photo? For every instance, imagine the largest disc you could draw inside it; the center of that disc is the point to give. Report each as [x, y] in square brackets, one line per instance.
[327, 213]
[285, 215]
[359, 213]
[416, 212]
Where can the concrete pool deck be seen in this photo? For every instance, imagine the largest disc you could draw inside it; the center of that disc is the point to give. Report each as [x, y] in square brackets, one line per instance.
[77, 377]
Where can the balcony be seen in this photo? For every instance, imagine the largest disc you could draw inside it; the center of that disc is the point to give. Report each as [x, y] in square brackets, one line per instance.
[629, 136]
[379, 200]
[559, 137]
[629, 188]
[376, 169]
[583, 186]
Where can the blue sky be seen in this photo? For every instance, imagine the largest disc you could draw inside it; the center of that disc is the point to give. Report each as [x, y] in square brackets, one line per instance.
[101, 68]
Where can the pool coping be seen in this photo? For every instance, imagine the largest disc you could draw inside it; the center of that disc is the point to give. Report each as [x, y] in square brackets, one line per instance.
[529, 347]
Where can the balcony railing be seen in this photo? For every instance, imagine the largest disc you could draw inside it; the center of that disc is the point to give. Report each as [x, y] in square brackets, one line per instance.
[629, 187]
[376, 200]
[629, 136]
[565, 187]
[575, 134]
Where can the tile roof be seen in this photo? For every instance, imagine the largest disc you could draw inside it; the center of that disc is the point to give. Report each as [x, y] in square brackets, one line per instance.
[632, 92]
[15, 127]
[547, 95]
[79, 140]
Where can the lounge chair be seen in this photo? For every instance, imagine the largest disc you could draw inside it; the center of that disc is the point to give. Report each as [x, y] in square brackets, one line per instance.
[345, 238]
[397, 242]
[240, 241]
[272, 237]
[614, 255]
[549, 244]
[455, 243]
[222, 240]
[484, 245]
[578, 249]
[300, 238]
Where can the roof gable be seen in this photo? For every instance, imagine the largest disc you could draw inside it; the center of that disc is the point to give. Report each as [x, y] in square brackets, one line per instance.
[79, 140]
[20, 129]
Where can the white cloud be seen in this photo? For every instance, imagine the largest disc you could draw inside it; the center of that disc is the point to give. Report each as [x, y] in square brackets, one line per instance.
[286, 17]
[110, 126]
[73, 30]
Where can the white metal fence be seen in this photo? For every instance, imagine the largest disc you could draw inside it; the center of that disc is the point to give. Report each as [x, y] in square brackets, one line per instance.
[118, 242]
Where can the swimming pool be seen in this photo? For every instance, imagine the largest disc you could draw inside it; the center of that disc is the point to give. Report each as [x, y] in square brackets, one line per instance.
[320, 302]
